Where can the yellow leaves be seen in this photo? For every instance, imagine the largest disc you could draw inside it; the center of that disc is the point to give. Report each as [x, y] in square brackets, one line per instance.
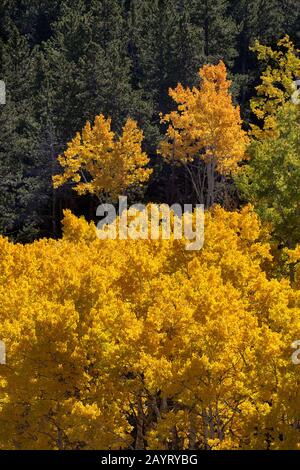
[282, 68]
[157, 372]
[294, 255]
[88, 411]
[95, 327]
[76, 229]
[98, 161]
[207, 125]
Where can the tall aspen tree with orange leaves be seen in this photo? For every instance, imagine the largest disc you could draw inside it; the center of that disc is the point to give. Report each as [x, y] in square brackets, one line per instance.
[205, 126]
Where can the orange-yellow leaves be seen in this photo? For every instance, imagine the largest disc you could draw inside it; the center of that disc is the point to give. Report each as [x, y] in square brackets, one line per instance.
[206, 125]
[98, 161]
[98, 330]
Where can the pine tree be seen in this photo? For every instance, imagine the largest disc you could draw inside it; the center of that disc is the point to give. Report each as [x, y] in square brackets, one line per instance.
[21, 191]
[219, 30]
[173, 39]
[33, 18]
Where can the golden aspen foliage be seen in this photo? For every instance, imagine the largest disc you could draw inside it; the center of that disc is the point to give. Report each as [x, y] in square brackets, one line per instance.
[206, 124]
[141, 344]
[98, 161]
[281, 70]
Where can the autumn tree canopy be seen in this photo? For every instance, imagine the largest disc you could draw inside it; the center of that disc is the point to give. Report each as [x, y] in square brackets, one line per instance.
[98, 161]
[172, 350]
[205, 126]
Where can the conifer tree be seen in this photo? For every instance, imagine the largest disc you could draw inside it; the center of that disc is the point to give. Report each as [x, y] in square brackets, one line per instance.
[21, 189]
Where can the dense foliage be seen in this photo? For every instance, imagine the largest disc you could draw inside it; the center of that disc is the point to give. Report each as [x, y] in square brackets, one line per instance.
[118, 344]
[172, 349]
